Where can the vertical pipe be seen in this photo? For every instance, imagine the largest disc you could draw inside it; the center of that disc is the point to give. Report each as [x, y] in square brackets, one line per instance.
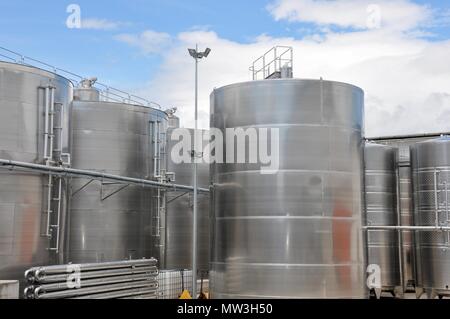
[61, 124]
[52, 112]
[47, 98]
[436, 202]
[155, 150]
[194, 217]
[399, 232]
[446, 209]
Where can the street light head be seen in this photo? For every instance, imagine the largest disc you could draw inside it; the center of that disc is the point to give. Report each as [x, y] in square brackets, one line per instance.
[206, 53]
[193, 53]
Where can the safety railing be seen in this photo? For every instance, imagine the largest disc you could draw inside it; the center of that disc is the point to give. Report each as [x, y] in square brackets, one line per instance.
[272, 62]
[107, 93]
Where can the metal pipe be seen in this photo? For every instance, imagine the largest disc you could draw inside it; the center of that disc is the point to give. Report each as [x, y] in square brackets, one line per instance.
[97, 175]
[61, 128]
[48, 279]
[436, 202]
[418, 228]
[399, 233]
[147, 293]
[52, 120]
[98, 281]
[40, 294]
[47, 98]
[155, 149]
[64, 269]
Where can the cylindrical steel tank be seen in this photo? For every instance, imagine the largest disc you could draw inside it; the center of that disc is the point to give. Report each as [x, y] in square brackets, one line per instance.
[179, 210]
[381, 210]
[111, 221]
[296, 233]
[430, 162]
[406, 204]
[34, 116]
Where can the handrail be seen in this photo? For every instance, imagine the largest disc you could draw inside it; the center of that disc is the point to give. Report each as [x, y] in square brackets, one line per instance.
[105, 92]
[277, 59]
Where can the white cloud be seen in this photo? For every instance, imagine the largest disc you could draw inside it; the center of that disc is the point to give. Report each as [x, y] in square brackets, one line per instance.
[148, 42]
[406, 79]
[394, 14]
[100, 24]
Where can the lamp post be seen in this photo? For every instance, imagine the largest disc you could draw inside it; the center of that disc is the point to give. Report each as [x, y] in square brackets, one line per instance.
[197, 56]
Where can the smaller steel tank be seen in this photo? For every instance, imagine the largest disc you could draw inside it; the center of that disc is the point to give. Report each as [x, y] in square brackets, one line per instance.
[113, 221]
[381, 210]
[431, 186]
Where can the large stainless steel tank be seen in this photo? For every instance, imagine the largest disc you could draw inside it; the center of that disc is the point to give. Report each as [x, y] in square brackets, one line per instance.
[381, 210]
[431, 183]
[110, 221]
[25, 104]
[296, 233]
[178, 241]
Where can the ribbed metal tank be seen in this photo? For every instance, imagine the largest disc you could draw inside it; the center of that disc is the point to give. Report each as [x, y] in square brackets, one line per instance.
[178, 243]
[23, 195]
[296, 233]
[430, 162]
[110, 221]
[381, 210]
[402, 143]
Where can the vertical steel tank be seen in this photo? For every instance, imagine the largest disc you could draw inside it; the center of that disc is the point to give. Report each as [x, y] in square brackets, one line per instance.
[296, 233]
[402, 143]
[381, 210]
[179, 210]
[430, 162]
[111, 221]
[34, 116]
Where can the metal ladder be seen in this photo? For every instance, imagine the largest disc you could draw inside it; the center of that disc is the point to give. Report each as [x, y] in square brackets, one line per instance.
[53, 156]
[274, 64]
[159, 154]
[441, 206]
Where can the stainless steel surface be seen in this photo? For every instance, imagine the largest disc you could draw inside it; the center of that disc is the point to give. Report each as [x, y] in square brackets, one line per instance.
[402, 228]
[113, 221]
[381, 210]
[23, 195]
[430, 161]
[403, 143]
[406, 201]
[296, 233]
[178, 243]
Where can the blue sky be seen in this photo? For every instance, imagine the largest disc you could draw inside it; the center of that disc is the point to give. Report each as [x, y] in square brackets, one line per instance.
[38, 29]
[140, 45]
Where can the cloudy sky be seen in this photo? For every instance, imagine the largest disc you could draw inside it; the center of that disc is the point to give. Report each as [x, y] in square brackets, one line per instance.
[398, 51]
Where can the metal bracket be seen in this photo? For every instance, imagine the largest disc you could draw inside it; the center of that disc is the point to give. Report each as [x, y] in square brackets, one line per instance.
[176, 197]
[82, 187]
[114, 192]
